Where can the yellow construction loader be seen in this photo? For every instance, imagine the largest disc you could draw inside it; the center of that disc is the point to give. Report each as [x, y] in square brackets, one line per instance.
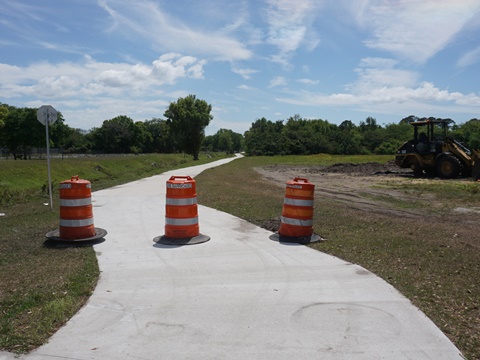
[433, 152]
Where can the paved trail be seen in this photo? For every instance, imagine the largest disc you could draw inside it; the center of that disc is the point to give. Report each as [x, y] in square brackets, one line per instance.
[238, 296]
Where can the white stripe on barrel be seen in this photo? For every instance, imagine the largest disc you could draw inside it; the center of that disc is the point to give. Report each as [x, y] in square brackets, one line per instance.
[181, 222]
[76, 223]
[181, 201]
[296, 222]
[297, 202]
[75, 202]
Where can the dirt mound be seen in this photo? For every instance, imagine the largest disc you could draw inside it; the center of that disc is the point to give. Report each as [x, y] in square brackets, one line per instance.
[370, 168]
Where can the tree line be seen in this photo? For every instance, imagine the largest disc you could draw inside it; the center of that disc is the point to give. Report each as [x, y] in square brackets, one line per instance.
[297, 136]
[183, 130]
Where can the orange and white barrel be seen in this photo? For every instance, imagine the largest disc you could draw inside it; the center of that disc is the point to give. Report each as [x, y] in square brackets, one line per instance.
[297, 211]
[181, 210]
[76, 215]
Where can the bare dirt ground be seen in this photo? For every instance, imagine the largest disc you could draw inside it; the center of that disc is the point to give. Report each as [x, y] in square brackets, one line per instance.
[377, 188]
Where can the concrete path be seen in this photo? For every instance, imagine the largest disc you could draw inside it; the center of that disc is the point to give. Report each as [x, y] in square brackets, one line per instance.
[238, 296]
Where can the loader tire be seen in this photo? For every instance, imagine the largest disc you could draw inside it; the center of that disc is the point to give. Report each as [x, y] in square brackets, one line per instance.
[476, 171]
[417, 169]
[448, 167]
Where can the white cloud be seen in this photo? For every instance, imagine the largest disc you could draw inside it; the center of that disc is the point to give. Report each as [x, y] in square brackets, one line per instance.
[115, 78]
[61, 86]
[244, 87]
[149, 20]
[469, 58]
[277, 81]
[289, 26]
[375, 62]
[414, 30]
[91, 77]
[308, 81]
[97, 86]
[379, 73]
[168, 71]
[102, 108]
[196, 70]
[245, 73]
[385, 77]
[425, 92]
[381, 87]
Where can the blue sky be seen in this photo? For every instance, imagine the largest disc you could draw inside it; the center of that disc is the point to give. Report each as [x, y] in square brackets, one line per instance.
[326, 59]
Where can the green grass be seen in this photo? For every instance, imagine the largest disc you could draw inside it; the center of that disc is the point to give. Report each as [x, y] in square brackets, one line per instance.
[436, 264]
[25, 179]
[463, 190]
[41, 287]
[316, 160]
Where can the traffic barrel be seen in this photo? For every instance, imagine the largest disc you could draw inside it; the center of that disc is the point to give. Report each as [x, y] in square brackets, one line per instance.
[296, 224]
[76, 214]
[181, 213]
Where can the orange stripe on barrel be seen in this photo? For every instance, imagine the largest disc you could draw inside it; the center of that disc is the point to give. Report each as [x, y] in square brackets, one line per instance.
[76, 215]
[181, 210]
[297, 211]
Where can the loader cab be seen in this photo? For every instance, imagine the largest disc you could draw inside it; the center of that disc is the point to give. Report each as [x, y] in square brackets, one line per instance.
[429, 135]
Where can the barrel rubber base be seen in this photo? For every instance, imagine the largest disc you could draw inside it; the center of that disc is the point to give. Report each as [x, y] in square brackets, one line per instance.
[296, 239]
[55, 236]
[164, 240]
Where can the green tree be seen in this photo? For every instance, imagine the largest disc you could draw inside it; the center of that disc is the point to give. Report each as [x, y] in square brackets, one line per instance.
[207, 143]
[3, 115]
[265, 138]
[4, 108]
[161, 139]
[347, 125]
[348, 139]
[469, 134]
[224, 140]
[409, 119]
[59, 132]
[188, 117]
[369, 124]
[297, 136]
[324, 134]
[238, 141]
[373, 134]
[303, 137]
[76, 142]
[141, 138]
[114, 136]
[22, 131]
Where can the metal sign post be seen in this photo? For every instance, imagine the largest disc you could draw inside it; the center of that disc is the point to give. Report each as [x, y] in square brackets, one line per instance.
[46, 114]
